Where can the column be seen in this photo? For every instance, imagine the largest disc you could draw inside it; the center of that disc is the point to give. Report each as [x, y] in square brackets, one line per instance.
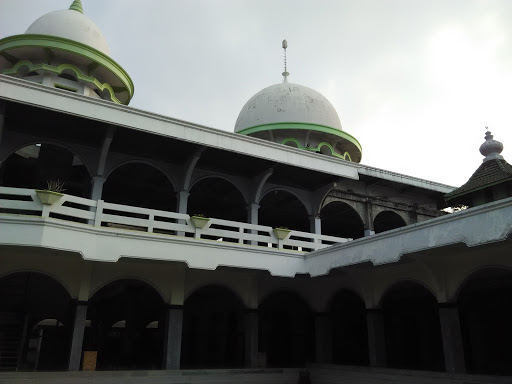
[97, 187]
[323, 338]
[452, 338]
[376, 337]
[252, 218]
[182, 207]
[368, 225]
[251, 338]
[172, 337]
[75, 353]
[2, 124]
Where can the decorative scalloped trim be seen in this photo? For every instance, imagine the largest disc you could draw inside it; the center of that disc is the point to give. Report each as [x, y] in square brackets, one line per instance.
[345, 156]
[61, 68]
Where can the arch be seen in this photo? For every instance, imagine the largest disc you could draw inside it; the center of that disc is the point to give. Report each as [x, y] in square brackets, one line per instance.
[213, 329]
[32, 164]
[140, 279]
[290, 141]
[141, 184]
[217, 197]
[141, 161]
[27, 298]
[222, 177]
[282, 207]
[329, 149]
[133, 346]
[412, 327]
[224, 285]
[484, 302]
[387, 220]
[403, 281]
[341, 220]
[285, 336]
[347, 312]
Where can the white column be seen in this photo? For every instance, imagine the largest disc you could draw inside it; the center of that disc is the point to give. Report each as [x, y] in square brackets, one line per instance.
[172, 337]
[97, 187]
[252, 218]
[182, 206]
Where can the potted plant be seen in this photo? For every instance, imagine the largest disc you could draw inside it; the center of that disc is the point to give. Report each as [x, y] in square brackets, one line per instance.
[52, 193]
[199, 220]
[282, 233]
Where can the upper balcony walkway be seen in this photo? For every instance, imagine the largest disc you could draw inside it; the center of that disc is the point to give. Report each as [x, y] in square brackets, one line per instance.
[102, 231]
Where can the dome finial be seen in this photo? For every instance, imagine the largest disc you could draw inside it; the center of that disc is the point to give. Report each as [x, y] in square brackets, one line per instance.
[491, 148]
[285, 73]
[77, 6]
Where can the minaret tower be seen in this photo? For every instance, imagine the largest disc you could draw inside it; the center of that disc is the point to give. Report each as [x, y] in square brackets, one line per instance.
[66, 50]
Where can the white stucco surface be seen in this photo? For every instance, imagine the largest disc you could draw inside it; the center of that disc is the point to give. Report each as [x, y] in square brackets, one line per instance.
[72, 25]
[287, 103]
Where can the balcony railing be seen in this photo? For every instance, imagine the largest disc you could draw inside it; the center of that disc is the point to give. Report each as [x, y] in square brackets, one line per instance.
[109, 216]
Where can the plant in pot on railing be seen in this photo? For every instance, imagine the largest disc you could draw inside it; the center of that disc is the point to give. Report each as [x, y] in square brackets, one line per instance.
[282, 233]
[199, 220]
[52, 193]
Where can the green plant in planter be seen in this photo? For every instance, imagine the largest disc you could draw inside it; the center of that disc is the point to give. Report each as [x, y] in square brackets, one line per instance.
[282, 233]
[199, 220]
[52, 193]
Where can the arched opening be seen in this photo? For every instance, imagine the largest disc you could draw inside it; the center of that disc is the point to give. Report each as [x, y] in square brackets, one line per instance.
[285, 336]
[217, 198]
[119, 314]
[412, 328]
[35, 323]
[349, 329]
[34, 165]
[341, 220]
[485, 307]
[280, 208]
[140, 185]
[213, 329]
[387, 220]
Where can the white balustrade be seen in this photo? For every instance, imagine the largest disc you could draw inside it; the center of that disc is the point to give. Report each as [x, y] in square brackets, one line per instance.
[116, 217]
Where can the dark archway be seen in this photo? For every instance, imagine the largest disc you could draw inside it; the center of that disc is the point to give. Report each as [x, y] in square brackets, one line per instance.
[34, 165]
[119, 315]
[27, 342]
[387, 220]
[217, 198]
[140, 185]
[412, 328]
[213, 329]
[349, 329]
[341, 220]
[280, 208]
[485, 308]
[286, 336]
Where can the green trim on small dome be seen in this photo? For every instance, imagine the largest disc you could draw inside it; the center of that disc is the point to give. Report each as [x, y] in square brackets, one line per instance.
[345, 156]
[305, 126]
[66, 45]
[77, 6]
[61, 68]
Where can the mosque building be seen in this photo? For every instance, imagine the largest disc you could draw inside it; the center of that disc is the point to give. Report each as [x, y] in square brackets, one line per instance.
[131, 241]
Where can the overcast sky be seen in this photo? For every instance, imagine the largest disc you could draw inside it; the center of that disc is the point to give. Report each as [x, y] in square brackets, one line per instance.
[414, 81]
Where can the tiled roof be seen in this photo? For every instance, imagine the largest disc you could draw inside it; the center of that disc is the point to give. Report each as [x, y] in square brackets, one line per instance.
[489, 173]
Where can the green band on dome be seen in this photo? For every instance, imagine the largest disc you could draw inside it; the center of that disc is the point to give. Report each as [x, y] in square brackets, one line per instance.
[305, 126]
[77, 6]
[66, 45]
[345, 156]
[61, 68]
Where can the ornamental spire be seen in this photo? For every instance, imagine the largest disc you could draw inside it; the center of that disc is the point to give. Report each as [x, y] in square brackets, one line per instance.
[285, 73]
[491, 148]
[77, 6]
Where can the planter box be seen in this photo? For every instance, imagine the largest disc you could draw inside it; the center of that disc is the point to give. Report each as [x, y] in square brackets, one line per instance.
[281, 233]
[48, 197]
[199, 222]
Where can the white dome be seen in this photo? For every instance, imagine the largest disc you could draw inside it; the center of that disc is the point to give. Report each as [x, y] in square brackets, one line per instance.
[71, 25]
[287, 103]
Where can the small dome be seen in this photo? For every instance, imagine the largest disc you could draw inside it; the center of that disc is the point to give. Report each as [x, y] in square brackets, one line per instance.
[287, 103]
[73, 25]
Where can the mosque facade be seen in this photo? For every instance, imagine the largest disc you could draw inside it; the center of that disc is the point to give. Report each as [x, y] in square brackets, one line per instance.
[134, 241]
